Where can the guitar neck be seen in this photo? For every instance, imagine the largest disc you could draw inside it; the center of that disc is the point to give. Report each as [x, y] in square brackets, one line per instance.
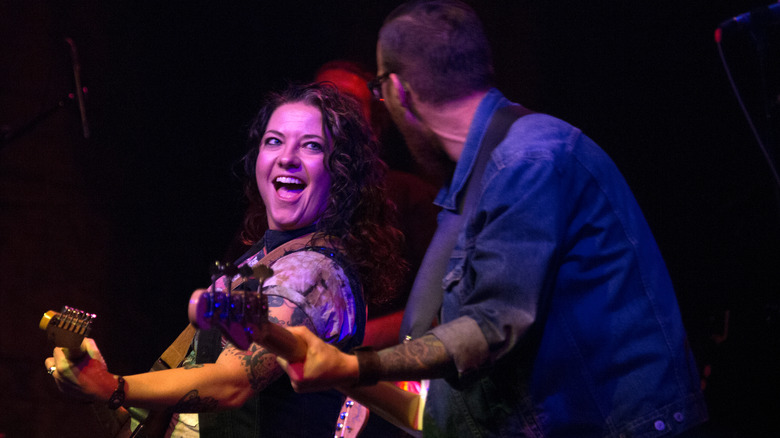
[281, 342]
[401, 408]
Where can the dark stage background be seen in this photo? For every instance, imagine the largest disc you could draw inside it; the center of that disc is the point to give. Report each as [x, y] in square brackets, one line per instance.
[126, 223]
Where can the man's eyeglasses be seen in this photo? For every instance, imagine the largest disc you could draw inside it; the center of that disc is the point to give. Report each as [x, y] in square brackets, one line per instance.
[375, 85]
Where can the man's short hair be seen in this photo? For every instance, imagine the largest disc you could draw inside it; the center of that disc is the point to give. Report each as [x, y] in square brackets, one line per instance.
[439, 47]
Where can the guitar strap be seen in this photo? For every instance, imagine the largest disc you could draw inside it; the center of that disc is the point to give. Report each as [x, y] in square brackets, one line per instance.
[425, 297]
[146, 423]
[174, 355]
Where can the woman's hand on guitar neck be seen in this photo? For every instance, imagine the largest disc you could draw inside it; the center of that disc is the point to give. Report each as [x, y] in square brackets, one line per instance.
[82, 375]
[325, 367]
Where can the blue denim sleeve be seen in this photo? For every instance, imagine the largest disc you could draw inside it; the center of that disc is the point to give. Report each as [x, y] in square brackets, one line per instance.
[506, 256]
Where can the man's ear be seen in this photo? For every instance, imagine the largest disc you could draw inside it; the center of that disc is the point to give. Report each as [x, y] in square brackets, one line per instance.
[403, 95]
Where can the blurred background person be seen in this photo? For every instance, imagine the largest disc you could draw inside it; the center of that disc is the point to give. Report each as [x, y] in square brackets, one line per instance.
[408, 188]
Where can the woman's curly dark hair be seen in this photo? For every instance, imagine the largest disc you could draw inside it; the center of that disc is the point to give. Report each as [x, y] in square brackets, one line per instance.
[357, 212]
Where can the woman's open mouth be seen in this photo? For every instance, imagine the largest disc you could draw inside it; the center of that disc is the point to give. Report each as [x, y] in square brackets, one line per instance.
[287, 186]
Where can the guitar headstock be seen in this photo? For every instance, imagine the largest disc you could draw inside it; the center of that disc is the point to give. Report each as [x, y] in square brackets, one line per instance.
[240, 314]
[68, 327]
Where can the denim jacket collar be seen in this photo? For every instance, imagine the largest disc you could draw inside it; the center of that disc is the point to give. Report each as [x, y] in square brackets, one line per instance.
[448, 195]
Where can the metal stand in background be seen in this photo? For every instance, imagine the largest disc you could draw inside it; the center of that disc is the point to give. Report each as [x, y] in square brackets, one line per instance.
[757, 24]
[7, 134]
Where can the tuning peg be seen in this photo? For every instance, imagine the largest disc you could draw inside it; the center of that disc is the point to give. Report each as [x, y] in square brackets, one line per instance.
[261, 272]
[245, 271]
[230, 269]
[216, 269]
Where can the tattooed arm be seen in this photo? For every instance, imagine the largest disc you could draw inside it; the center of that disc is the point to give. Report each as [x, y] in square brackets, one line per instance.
[325, 367]
[257, 366]
[228, 383]
[422, 358]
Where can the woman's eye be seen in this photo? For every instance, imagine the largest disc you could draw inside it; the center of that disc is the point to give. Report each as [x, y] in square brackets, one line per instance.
[271, 141]
[313, 146]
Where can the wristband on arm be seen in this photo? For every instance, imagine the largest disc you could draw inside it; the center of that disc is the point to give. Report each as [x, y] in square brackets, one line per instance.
[369, 366]
[118, 397]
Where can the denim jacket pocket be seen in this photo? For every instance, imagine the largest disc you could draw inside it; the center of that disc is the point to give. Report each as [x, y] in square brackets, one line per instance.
[455, 270]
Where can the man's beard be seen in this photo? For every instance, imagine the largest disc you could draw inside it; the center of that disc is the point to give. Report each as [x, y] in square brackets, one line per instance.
[426, 149]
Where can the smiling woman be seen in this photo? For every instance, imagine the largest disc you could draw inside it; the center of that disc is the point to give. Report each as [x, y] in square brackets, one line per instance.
[318, 217]
[313, 160]
[290, 170]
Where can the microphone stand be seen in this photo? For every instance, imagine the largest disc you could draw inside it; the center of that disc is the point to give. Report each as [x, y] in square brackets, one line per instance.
[7, 134]
[757, 25]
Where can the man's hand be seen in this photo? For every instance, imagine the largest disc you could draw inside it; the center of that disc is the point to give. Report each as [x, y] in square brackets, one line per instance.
[325, 367]
[82, 376]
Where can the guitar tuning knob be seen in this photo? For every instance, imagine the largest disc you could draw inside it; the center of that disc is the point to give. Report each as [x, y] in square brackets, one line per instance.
[216, 269]
[230, 269]
[245, 271]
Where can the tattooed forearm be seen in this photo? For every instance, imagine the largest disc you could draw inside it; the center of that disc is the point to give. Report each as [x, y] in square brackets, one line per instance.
[259, 364]
[192, 402]
[422, 358]
[261, 367]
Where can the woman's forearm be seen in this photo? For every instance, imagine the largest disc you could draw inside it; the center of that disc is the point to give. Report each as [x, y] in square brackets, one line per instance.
[229, 383]
[203, 388]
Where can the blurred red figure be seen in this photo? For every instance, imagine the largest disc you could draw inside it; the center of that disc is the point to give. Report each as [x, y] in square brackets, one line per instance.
[412, 195]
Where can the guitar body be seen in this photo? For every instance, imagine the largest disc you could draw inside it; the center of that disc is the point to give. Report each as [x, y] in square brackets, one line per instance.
[153, 426]
[352, 419]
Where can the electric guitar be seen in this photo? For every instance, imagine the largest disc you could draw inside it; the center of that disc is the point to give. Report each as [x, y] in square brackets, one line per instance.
[352, 419]
[242, 317]
[67, 329]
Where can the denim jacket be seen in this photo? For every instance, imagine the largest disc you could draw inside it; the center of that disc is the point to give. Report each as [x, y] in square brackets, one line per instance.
[558, 309]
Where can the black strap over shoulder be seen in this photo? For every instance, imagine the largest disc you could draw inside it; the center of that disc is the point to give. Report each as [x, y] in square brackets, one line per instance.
[426, 295]
[499, 126]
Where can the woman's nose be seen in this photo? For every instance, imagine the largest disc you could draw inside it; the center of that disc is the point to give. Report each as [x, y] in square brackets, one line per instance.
[289, 157]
